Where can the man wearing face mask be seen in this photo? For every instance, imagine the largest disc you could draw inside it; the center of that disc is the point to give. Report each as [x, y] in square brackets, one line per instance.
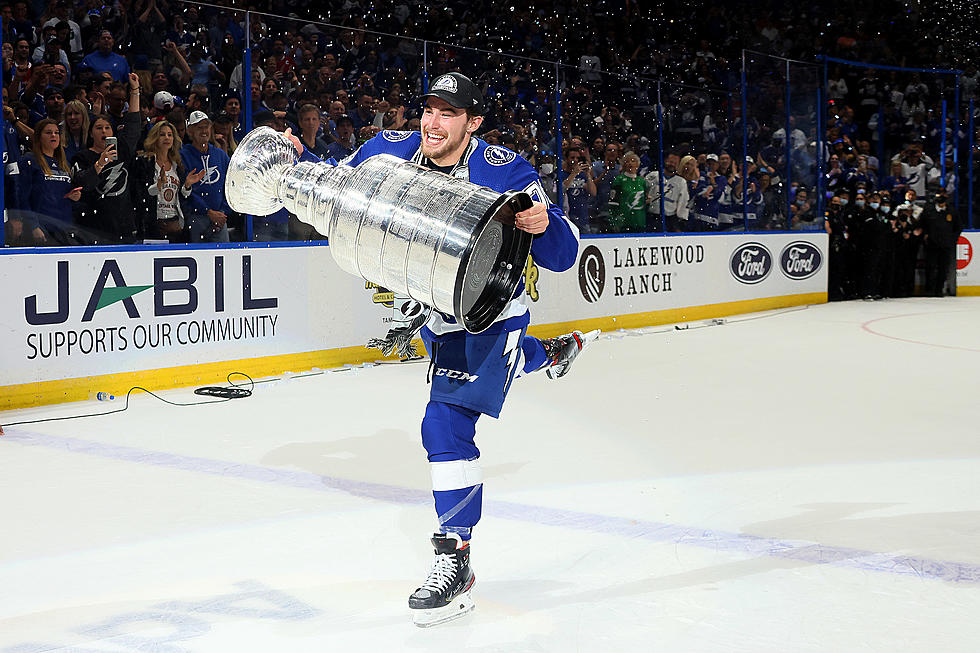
[868, 258]
[889, 241]
[549, 178]
[910, 237]
[912, 199]
[942, 230]
[836, 228]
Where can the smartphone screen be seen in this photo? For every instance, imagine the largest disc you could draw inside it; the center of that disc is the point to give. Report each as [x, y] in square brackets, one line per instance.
[110, 141]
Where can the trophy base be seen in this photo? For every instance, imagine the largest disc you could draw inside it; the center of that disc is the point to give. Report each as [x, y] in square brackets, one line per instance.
[494, 263]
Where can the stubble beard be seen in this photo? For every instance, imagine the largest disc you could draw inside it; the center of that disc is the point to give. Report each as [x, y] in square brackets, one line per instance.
[447, 147]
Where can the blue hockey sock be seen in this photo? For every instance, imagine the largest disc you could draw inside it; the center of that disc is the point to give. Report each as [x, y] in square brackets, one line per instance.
[534, 355]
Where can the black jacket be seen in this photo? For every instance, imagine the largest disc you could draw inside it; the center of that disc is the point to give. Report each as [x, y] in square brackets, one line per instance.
[106, 204]
[942, 228]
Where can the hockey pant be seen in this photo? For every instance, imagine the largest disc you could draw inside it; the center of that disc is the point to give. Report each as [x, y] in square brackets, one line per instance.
[448, 434]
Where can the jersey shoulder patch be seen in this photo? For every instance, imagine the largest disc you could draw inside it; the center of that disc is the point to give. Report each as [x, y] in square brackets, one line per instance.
[498, 156]
[536, 191]
[395, 136]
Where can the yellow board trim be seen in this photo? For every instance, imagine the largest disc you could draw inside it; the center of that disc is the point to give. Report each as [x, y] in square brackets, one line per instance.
[27, 395]
[968, 291]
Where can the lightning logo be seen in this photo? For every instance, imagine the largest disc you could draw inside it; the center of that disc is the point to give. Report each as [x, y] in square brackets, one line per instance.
[512, 352]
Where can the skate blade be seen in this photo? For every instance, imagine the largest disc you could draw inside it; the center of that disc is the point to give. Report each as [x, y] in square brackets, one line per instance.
[460, 606]
[590, 336]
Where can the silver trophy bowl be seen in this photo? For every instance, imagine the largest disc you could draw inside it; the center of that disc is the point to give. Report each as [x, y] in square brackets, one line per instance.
[442, 241]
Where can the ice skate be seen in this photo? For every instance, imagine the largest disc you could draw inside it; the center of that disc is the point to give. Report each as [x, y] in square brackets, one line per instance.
[562, 350]
[445, 594]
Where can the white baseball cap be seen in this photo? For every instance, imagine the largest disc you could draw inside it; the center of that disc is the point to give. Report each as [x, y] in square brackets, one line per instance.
[196, 117]
[711, 157]
[163, 100]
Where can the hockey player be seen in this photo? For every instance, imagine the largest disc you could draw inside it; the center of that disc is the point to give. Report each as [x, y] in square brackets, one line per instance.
[471, 373]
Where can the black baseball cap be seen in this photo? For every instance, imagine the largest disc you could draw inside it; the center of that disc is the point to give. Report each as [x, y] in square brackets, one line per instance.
[458, 90]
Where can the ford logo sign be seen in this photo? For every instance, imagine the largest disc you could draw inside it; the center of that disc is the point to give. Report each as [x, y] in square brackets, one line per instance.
[800, 260]
[751, 263]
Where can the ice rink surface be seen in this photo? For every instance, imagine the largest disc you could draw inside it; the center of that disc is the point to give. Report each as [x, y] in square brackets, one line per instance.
[801, 480]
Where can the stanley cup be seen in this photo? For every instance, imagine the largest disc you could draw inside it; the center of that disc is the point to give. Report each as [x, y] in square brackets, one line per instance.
[442, 241]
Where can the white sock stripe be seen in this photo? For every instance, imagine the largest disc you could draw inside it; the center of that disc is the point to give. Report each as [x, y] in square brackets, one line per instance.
[455, 474]
[519, 365]
[458, 507]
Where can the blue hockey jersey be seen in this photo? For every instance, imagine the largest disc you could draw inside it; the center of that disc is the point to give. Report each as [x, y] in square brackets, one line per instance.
[501, 170]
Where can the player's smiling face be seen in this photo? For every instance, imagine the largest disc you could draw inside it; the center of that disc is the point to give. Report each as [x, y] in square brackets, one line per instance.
[445, 131]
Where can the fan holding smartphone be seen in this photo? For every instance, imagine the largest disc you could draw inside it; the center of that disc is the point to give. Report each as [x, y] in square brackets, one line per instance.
[103, 172]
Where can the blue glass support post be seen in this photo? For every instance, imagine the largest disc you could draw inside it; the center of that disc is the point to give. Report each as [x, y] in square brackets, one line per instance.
[660, 154]
[247, 74]
[956, 145]
[731, 119]
[3, 167]
[247, 100]
[425, 67]
[745, 143]
[969, 169]
[942, 147]
[820, 132]
[560, 191]
[788, 144]
[881, 140]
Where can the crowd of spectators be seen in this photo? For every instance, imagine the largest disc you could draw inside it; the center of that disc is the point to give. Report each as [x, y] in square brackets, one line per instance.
[120, 117]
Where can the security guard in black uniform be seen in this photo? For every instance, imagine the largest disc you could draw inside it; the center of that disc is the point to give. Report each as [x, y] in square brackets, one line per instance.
[942, 228]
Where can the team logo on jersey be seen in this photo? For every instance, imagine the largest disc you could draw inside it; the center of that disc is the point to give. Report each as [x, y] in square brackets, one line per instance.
[213, 175]
[411, 308]
[393, 136]
[445, 83]
[800, 260]
[115, 181]
[498, 156]
[591, 274]
[751, 263]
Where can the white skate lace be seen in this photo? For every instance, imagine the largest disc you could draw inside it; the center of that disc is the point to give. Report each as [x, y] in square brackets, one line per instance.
[442, 574]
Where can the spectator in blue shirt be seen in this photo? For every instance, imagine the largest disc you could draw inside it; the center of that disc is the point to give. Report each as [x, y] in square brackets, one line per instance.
[104, 60]
[895, 182]
[46, 192]
[203, 68]
[344, 145]
[578, 188]
[233, 109]
[603, 173]
[208, 218]
[308, 118]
